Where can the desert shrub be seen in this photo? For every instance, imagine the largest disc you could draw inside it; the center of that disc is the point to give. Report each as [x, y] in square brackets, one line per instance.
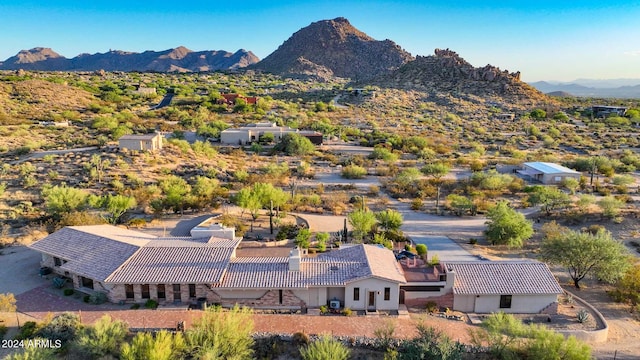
[416, 204]
[354, 172]
[300, 339]
[582, 316]
[347, 312]
[384, 334]
[270, 347]
[135, 306]
[137, 222]
[63, 327]
[222, 334]
[324, 309]
[27, 330]
[151, 304]
[431, 306]
[101, 339]
[86, 298]
[68, 292]
[325, 348]
[98, 298]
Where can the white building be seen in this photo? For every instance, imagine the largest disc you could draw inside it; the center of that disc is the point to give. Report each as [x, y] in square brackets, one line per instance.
[252, 132]
[547, 173]
[150, 142]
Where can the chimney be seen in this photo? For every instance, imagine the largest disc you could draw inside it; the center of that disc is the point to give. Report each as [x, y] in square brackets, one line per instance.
[294, 259]
[451, 278]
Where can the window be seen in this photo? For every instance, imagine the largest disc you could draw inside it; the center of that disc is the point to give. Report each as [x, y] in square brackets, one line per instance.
[280, 296]
[86, 282]
[144, 289]
[505, 301]
[192, 290]
[356, 294]
[387, 294]
[57, 261]
[128, 290]
[161, 292]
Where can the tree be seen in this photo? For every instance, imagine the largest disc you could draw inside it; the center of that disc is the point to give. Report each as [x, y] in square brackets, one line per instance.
[7, 302]
[584, 254]
[538, 114]
[459, 204]
[549, 197]
[571, 184]
[103, 338]
[97, 166]
[175, 191]
[421, 249]
[362, 222]
[507, 226]
[628, 287]
[325, 348]
[295, 144]
[222, 334]
[389, 220]
[610, 206]
[303, 239]
[436, 171]
[62, 199]
[322, 238]
[117, 205]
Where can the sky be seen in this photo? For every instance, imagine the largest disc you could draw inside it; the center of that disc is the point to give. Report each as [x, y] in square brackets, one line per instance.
[544, 40]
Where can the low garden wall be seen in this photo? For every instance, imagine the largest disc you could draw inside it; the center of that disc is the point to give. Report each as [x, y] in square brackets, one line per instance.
[599, 335]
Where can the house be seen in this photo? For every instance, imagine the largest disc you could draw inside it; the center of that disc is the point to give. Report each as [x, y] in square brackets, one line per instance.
[507, 286]
[210, 227]
[252, 132]
[604, 111]
[230, 99]
[131, 266]
[150, 142]
[483, 286]
[547, 173]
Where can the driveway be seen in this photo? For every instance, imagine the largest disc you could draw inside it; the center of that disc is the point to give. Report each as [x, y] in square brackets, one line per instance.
[19, 271]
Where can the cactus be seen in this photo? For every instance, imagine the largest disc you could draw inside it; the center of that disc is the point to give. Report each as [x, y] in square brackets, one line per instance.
[582, 315]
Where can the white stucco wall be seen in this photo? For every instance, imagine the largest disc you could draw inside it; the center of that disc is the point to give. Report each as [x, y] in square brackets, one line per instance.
[558, 178]
[376, 285]
[234, 137]
[520, 304]
[464, 303]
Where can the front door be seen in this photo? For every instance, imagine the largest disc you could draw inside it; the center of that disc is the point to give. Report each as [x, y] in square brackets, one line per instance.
[371, 303]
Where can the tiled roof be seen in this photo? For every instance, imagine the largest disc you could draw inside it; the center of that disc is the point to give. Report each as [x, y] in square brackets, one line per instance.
[503, 278]
[335, 268]
[189, 263]
[92, 251]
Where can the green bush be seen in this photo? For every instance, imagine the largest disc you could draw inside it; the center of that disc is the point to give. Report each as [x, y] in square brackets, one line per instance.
[98, 298]
[27, 330]
[151, 304]
[325, 348]
[86, 298]
[62, 327]
[324, 309]
[432, 306]
[135, 306]
[354, 172]
[68, 292]
[347, 312]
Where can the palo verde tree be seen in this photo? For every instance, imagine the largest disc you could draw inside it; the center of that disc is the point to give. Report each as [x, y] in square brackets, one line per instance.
[584, 254]
[507, 226]
[59, 200]
[362, 222]
[295, 144]
[436, 171]
[548, 197]
[389, 219]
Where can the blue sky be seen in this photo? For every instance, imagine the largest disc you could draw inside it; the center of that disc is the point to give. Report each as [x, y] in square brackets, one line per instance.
[544, 40]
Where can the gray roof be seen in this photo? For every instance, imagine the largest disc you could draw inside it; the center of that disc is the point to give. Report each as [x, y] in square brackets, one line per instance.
[335, 268]
[503, 278]
[189, 263]
[92, 251]
[549, 168]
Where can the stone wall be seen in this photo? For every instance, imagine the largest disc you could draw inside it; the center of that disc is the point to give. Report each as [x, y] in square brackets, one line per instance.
[271, 299]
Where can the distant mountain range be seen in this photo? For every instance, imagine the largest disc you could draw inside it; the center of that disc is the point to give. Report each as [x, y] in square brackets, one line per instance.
[179, 59]
[323, 50]
[611, 88]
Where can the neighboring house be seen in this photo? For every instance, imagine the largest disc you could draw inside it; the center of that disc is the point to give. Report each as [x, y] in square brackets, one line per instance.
[482, 286]
[604, 111]
[144, 90]
[230, 99]
[210, 227]
[507, 286]
[547, 173]
[252, 132]
[150, 142]
[131, 266]
[506, 116]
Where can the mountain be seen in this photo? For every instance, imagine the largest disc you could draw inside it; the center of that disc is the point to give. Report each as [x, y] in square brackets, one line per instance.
[334, 48]
[447, 72]
[179, 59]
[586, 91]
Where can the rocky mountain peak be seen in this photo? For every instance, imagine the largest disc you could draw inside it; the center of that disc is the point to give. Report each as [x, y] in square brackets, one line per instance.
[36, 54]
[337, 47]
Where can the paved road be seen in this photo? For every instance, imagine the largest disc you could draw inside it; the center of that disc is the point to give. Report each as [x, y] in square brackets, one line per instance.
[166, 100]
